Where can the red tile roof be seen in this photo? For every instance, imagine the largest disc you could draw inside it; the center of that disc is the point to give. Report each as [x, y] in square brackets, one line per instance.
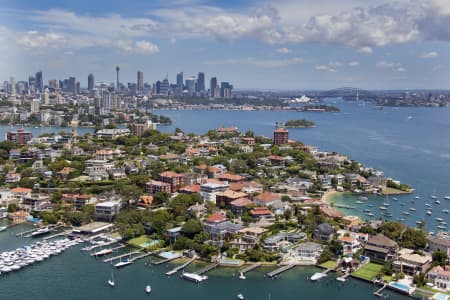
[260, 211]
[267, 197]
[241, 202]
[216, 218]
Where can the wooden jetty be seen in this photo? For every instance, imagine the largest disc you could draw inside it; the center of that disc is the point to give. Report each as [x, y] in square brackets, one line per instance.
[207, 269]
[120, 256]
[344, 277]
[181, 267]
[250, 268]
[280, 270]
[140, 256]
[57, 235]
[379, 292]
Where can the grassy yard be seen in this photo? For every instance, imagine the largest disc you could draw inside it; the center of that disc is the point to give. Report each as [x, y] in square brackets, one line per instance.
[144, 242]
[331, 264]
[368, 271]
[392, 191]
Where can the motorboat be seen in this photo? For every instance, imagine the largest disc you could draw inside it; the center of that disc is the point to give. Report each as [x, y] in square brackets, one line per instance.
[437, 201]
[240, 296]
[383, 208]
[148, 289]
[406, 213]
[242, 276]
[122, 264]
[439, 219]
[427, 205]
[395, 199]
[318, 276]
[412, 209]
[370, 214]
[3, 228]
[429, 212]
[445, 211]
[447, 197]
[194, 277]
[111, 280]
[359, 202]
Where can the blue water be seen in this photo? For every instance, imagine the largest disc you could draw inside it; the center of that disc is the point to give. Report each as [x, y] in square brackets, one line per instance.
[409, 144]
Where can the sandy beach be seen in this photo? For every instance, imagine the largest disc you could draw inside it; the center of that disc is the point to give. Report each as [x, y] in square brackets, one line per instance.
[329, 195]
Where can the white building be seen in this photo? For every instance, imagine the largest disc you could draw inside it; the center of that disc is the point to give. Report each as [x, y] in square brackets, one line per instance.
[107, 211]
[208, 191]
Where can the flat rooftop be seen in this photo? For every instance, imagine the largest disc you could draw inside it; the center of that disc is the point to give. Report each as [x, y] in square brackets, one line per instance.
[94, 227]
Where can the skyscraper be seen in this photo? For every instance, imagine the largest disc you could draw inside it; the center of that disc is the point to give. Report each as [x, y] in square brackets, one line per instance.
[39, 82]
[201, 82]
[35, 106]
[71, 85]
[190, 86]
[90, 82]
[13, 86]
[180, 82]
[164, 87]
[280, 136]
[140, 80]
[212, 85]
[225, 89]
[117, 80]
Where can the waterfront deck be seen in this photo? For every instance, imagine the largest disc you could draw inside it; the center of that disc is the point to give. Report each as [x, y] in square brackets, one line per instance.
[207, 269]
[57, 235]
[140, 256]
[107, 260]
[379, 292]
[181, 267]
[344, 277]
[250, 268]
[280, 270]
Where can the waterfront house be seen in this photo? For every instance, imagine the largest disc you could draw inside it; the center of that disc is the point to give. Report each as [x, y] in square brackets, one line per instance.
[219, 228]
[107, 211]
[18, 216]
[173, 233]
[78, 200]
[247, 238]
[331, 212]
[308, 252]
[349, 244]
[112, 134]
[440, 242]
[324, 232]
[411, 263]
[277, 242]
[380, 248]
[267, 199]
[440, 277]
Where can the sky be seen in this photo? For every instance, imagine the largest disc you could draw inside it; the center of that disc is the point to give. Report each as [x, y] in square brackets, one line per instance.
[278, 45]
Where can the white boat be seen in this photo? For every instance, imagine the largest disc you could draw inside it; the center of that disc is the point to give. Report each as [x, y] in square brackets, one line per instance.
[122, 264]
[429, 212]
[383, 208]
[441, 227]
[318, 276]
[439, 219]
[437, 201]
[102, 252]
[433, 197]
[3, 228]
[242, 276]
[412, 209]
[111, 280]
[406, 213]
[359, 202]
[148, 289]
[445, 211]
[419, 222]
[370, 214]
[427, 205]
[194, 277]
[395, 199]
[40, 231]
[363, 198]
[447, 197]
[240, 296]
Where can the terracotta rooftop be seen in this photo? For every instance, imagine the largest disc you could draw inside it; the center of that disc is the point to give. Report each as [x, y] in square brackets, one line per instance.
[382, 241]
[21, 190]
[281, 130]
[231, 194]
[241, 202]
[267, 197]
[170, 174]
[191, 188]
[260, 211]
[216, 218]
[231, 177]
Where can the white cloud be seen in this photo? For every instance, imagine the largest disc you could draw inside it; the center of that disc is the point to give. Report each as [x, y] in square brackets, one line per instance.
[325, 68]
[138, 47]
[394, 66]
[353, 63]
[432, 54]
[34, 39]
[283, 50]
[262, 63]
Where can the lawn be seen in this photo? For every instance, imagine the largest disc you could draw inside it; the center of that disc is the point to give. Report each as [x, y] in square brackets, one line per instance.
[368, 271]
[145, 242]
[331, 264]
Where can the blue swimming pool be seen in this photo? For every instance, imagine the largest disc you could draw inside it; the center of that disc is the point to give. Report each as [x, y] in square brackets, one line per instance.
[402, 287]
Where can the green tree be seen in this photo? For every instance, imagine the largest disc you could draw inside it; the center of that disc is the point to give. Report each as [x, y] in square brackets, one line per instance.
[440, 258]
[191, 228]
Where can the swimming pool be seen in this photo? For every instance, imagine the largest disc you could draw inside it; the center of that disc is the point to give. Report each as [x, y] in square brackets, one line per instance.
[401, 287]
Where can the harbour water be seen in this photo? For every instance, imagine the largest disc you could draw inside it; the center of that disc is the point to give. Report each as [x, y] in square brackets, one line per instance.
[75, 275]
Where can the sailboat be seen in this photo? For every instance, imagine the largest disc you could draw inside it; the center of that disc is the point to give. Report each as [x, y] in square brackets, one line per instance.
[148, 289]
[111, 280]
[242, 276]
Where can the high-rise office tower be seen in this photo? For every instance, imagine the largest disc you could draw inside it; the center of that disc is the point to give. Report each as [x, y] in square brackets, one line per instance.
[13, 86]
[212, 85]
[164, 87]
[117, 79]
[201, 82]
[90, 82]
[180, 82]
[140, 80]
[39, 82]
[190, 86]
[225, 89]
[35, 106]
[71, 85]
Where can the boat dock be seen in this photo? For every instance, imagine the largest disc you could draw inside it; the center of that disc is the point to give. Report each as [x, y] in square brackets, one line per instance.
[379, 292]
[280, 270]
[57, 234]
[344, 277]
[118, 247]
[181, 267]
[250, 268]
[120, 256]
[164, 260]
[89, 248]
[141, 256]
[27, 233]
[207, 269]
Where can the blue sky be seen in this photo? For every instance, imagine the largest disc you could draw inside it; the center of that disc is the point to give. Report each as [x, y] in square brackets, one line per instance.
[284, 44]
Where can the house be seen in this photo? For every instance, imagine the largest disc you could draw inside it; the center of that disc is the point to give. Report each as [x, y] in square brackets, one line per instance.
[144, 202]
[194, 178]
[349, 244]
[175, 180]
[331, 212]
[380, 248]
[230, 177]
[439, 242]
[238, 206]
[247, 238]
[275, 159]
[107, 211]
[12, 177]
[260, 212]
[440, 277]
[324, 232]
[154, 186]
[78, 200]
[118, 173]
[63, 174]
[223, 199]
[267, 199]
[411, 263]
[277, 242]
[252, 187]
[209, 190]
[218, 227]
[18, 216]
[173, 233]
[112, 134]
[309, 252]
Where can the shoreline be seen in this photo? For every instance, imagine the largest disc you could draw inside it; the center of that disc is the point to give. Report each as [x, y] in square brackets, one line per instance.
[329, 195]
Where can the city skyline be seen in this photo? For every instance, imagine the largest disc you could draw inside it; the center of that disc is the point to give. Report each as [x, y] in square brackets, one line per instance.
[287, 45]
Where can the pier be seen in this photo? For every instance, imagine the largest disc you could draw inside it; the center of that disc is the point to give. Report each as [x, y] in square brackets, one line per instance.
[280, 270]
[140, 256]
[250, 268]
[379, 292]
[344, 277]
[207, 269]
[181, 267]
[89, 248]
[57, 234]
[120, 256]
